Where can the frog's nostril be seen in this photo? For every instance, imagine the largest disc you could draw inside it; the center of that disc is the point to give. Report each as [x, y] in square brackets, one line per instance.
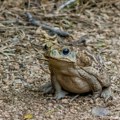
[45, 47]
[65, 51]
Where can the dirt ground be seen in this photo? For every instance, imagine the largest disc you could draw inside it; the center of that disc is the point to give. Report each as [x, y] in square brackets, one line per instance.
[22, 74]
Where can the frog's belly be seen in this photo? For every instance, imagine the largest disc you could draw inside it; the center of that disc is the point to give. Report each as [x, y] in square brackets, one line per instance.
[73, 84]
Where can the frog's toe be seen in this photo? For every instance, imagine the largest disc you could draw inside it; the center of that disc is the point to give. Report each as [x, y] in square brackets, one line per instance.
[96, 94]
[47, 88]
[106, 94]
[60, 95]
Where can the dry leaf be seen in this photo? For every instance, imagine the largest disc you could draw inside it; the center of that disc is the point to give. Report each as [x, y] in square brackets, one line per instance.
[28, 116]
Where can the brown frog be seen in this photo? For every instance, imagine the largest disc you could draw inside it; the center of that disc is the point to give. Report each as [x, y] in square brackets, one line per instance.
[75, 71]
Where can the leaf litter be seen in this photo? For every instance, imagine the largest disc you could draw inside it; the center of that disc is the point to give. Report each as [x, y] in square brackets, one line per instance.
[21, 57]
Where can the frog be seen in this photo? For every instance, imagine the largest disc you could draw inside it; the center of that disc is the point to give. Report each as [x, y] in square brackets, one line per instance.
[76, 71]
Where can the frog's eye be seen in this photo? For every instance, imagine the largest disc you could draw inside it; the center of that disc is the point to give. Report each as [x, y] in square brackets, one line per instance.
[65, 51]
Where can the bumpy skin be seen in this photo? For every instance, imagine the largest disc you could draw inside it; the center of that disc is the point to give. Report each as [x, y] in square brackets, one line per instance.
[81, 74]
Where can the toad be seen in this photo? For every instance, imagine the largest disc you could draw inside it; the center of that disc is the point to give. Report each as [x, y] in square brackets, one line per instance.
[75, 71]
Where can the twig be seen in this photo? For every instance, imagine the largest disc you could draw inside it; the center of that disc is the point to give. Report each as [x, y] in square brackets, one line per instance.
[84, 6]
[44, 69]
[74, 98]
[6, 51]
[80, 42]
[46, 27]
[65, 4]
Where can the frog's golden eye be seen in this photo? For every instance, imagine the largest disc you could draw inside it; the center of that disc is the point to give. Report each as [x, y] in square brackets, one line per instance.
[65, 51]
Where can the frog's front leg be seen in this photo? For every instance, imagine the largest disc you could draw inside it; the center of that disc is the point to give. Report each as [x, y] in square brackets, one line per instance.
[92, 81]
[59, 93]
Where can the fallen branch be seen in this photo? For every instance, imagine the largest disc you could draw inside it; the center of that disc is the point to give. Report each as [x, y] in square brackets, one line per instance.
[46, 27]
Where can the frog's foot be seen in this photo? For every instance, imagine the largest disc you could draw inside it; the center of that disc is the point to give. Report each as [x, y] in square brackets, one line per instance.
[60, 94]
[47, 88]
[106, 94]
[96, 94]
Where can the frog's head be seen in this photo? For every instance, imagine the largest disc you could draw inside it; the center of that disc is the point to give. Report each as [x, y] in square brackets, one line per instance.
[59, 53]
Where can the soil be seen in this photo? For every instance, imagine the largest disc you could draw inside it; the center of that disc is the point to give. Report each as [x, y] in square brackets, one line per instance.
[23, 68]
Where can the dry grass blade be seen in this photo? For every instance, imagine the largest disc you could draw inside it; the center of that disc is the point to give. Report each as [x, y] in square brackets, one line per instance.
[7, 51]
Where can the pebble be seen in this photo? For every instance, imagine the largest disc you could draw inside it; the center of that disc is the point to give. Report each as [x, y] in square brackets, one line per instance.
[64, 100]
[100, 111]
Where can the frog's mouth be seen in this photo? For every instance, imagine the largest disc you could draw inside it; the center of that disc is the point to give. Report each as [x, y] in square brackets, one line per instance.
[63, 59]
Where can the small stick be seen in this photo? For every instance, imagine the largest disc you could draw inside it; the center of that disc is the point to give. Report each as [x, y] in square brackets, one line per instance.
[44, 69]
[74, 98]
[46, 27]
[65, 4]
